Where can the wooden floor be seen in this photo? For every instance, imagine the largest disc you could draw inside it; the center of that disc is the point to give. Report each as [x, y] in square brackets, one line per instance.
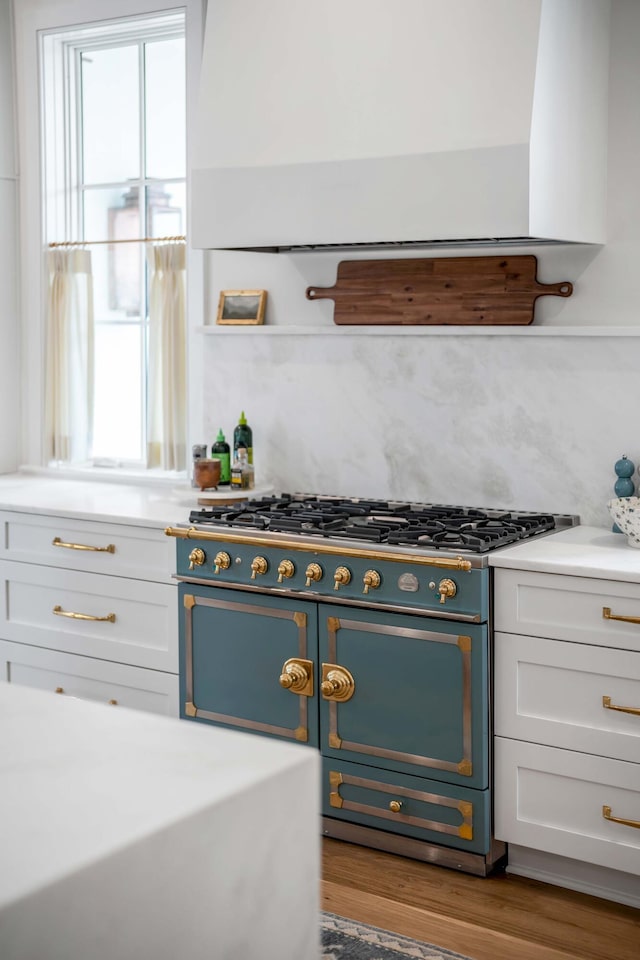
[501, 917]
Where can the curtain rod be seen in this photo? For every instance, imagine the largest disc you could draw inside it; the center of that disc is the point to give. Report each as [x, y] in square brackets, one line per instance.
[85, 243]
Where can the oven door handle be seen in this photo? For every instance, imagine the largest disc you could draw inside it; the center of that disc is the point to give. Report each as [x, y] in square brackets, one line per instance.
[297, 676]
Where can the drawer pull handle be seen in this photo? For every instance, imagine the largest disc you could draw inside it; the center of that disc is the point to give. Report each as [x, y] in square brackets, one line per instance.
[57, 542]
[606, 703]
[606, 813]
[395, 806]
[59, 690]
[113, 703]
[607, 615]
[59, 612]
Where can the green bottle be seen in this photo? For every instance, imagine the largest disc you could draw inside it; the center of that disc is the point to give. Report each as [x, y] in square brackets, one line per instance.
[243, 437]
[221, 451]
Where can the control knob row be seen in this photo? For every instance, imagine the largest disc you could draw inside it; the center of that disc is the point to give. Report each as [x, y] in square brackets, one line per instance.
[447, 588]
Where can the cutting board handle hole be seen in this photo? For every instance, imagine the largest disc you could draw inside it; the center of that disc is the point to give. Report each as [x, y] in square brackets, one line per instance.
[565, 288]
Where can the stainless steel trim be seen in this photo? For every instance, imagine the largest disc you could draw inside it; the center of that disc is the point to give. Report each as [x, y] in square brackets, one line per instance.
[299, 618]
[333, 599]
[249, 724]
[476, 864]
[464, 807]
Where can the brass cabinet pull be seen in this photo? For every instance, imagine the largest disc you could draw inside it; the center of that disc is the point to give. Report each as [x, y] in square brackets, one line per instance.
[59, 690]
[297, 676]
[395, 806]
[607, 615]
[59, 612]
[57, 542]
[113, 703]
[606, 703]
[606, 813]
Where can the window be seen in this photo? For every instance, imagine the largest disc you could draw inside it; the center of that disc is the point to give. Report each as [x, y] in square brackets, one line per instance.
[114, 162]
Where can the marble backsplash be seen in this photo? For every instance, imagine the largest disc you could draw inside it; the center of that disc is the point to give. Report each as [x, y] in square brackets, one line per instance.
[531, 423]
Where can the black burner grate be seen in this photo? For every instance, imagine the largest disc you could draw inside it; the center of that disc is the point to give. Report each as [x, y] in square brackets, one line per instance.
[421, 526]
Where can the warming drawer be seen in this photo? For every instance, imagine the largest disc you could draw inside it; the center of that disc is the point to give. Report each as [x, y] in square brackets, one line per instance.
[414, 807]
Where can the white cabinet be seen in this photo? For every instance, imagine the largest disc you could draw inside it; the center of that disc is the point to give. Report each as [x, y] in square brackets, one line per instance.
[89, 609]
[567, 716]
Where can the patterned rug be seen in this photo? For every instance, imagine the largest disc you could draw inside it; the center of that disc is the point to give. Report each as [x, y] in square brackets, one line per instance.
[347, 940]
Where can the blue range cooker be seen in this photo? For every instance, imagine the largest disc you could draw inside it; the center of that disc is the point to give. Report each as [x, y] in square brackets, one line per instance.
[363, 629]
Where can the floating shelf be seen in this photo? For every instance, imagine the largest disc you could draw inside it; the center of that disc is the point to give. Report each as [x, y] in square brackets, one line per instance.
[291, 330]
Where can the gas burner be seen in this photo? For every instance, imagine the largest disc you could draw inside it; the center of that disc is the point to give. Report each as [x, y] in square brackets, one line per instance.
[418, 525]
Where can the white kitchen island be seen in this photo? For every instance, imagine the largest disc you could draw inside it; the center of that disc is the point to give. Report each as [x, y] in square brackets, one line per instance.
[128, 835]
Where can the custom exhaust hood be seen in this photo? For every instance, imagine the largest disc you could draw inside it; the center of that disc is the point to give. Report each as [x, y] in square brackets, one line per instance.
[392, 122]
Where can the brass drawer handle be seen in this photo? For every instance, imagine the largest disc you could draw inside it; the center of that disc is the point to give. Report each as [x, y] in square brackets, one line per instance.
[113, 703]
[395, 806]
[607, 615]
[57, 542]
[606, 703]
[59, 690]
[59, 612]
[606, 813]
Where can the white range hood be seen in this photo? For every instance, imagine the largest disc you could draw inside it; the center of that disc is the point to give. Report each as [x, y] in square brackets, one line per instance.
[336, 122]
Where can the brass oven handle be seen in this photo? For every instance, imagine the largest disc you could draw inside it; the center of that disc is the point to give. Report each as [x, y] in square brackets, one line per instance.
[337, 683]
[59, 612]
[57, 542]
[606, 703]
[297, 676]
[606, 813]
[607, 615]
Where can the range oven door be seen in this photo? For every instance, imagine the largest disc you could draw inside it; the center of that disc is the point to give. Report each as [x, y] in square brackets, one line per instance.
[415, 697]
[248, 661]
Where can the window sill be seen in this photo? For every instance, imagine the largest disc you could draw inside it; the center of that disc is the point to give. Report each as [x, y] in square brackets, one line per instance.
[159, 478]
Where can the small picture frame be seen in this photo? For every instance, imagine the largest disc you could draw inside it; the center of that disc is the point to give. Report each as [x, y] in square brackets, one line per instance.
[242, 306]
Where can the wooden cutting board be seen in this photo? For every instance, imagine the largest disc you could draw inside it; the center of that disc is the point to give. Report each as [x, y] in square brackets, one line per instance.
[448, 290]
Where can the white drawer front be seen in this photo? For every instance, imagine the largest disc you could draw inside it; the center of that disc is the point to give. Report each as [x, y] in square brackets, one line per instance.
[551, 692]
[143, 631]
[552, 800]
[124, 551]
[567, 608]
[90, 679]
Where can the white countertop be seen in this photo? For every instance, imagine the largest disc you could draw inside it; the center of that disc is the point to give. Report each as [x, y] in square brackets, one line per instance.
[120, 828]
[145, 504]
[575, 551]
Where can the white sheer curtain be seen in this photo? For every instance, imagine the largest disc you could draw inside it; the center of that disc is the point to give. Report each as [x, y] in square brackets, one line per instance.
[166, 417]
[69, 368]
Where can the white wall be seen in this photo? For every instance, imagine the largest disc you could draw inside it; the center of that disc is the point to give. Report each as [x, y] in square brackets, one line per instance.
[520, 421]
[9, 384]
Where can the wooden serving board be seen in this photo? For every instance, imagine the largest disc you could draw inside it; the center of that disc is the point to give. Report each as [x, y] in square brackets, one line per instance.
[451, 290]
